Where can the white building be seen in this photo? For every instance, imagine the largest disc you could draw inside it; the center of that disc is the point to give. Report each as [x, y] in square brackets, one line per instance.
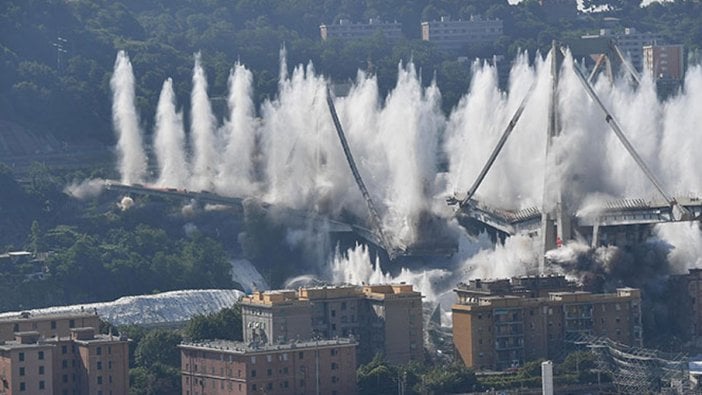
[347, 30]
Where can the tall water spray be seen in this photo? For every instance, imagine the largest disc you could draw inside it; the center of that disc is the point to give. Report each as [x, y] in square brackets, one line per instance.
[202, 131]
[395, 144]
[235, 175]
[169, 140]
[131, 157]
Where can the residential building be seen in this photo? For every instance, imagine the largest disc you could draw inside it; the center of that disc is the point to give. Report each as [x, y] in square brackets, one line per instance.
[347, 30]
[234, 368]
[686, 312]
[525, 286]
[453, 36]
[504, 330]
[76, 361]
[629, 41]
[664, 62]
[384, 319]
[48, 325]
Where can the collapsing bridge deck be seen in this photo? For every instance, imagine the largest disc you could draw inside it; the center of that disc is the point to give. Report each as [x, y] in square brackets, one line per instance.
[614, 213]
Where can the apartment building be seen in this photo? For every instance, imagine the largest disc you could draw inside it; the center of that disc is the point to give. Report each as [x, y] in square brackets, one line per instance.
[57, 359]
[48, 325]
[233, 368]
[384, 319]
[664, 62]
[497, 332]
[347, 30]
[453, 36]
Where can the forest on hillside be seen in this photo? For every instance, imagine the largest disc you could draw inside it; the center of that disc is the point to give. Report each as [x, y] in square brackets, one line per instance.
[56, 56]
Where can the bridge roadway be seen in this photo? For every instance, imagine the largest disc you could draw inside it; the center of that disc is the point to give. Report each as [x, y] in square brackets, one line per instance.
[300, 218]
[593, 220]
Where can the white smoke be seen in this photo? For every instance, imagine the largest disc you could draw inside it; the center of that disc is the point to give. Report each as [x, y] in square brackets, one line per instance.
[355, 266]
[130, 150]
[298, 162]
[236, 172]
[203, 124]
[85, 189]
[169, 140]
[686, 241]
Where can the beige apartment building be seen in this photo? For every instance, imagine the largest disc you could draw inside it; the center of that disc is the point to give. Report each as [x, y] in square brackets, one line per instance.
[497, 332]
[384, 319]
[62, 360]
[223, 367]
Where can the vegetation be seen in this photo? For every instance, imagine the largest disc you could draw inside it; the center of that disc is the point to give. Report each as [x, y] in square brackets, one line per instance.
[57, 56]
[225, 324]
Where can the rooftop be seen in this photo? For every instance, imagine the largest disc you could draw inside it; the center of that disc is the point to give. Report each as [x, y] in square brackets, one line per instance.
[27, 316]
[234, 347]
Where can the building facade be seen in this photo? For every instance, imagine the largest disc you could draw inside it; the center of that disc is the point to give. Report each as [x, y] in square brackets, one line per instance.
[385, 319]
[453, 36]
[76, 362]
[347, 30]
[630, 41]
[498, 332]
[234, 368]
[664, 62]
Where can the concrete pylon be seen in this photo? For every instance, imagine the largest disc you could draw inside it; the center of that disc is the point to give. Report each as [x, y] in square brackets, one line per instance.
[555, 221]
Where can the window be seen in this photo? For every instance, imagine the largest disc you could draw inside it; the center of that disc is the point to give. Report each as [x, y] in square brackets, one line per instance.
[269, 386]
[41, 370]
[300, 355]
[253, 373]
[64, 349]
[23, 386]
[285, 384]
[64, 378]
[333, 313]
[109, 379]
[72, 323]
[15, 328]
[53, 324]
[109, 349]
[334, 366]
[41, 385]
[109, 364]
[270, 372]
[99, 380]
[99, 351]
[21, 356]
[253, 387]
[99, 365]
[343, 305]
[334, 351]
[269, 358]
[285, 370]
[21, 371]
[41, 355]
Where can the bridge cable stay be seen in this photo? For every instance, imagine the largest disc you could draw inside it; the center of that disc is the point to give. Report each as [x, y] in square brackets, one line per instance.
[375, 217]
[500, 144]
[627, 65]
[614, 125]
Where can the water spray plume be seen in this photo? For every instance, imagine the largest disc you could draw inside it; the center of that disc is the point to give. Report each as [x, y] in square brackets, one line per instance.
[203, 123]
[169, 140]
[130, 151]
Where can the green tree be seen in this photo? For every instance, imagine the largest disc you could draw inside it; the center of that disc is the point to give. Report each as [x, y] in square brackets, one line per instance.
[454, 378]
[377, 377]
[158, 346]
[224, 324]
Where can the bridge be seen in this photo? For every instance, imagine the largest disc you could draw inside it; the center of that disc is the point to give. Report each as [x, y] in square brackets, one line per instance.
[599, 224]
[602, 224]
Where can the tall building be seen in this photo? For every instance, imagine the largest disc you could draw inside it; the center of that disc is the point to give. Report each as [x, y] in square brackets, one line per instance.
[453, 36]
[686, 312]
[347, 30]
[235, 368]
[664, 62]
[57, 359]
[504, 330]
[384, 319]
